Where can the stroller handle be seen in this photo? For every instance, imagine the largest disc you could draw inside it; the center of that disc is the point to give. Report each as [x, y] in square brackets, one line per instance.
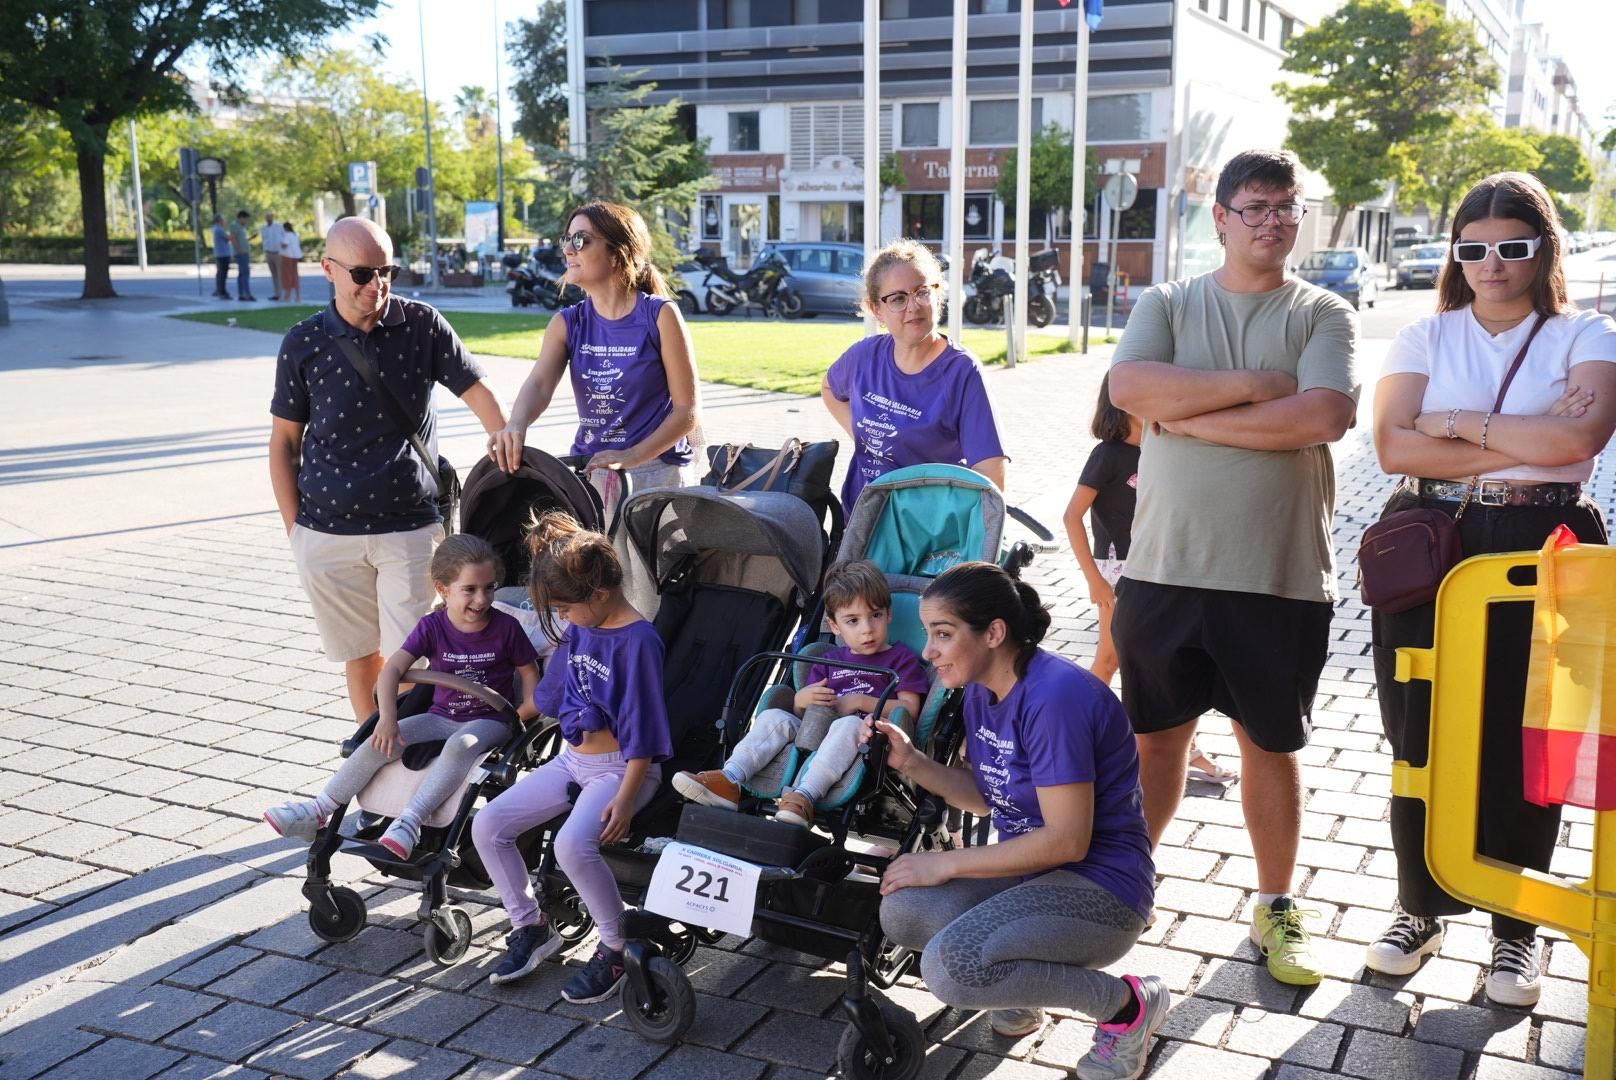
[506, 710]
[576, 463]
[738, 681]
[1033, 525]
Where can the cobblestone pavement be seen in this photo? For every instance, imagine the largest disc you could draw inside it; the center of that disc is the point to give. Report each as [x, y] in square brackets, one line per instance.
[157, 692]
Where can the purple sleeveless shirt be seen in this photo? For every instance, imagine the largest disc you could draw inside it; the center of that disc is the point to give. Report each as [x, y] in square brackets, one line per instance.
[618, 379]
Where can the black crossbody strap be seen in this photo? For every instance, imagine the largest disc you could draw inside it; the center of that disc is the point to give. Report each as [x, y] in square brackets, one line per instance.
[390, 404]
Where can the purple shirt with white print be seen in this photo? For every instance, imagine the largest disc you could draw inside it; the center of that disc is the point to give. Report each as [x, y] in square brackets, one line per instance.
[618, 379]
[489, 657]
[897, 656]
[941, 415]
[609, 680]
[1061, 725]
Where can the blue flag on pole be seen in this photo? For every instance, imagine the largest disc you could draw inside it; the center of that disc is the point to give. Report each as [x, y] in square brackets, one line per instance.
[1093, 10]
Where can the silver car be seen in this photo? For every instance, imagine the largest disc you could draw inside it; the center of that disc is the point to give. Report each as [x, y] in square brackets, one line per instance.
[828, 276]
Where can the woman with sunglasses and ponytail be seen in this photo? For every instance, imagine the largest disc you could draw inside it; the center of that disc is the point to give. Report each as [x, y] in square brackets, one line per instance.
[632, 366]
[1509, 474]
[910, 396]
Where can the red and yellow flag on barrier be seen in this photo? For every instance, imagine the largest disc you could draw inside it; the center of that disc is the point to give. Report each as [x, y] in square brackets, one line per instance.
[1568, 731]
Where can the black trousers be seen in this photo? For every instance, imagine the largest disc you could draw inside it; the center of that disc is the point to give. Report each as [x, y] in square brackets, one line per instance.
[1509, 827]
[221, 274]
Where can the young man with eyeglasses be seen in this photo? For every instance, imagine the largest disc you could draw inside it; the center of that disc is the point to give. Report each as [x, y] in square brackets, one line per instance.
[359, 505]
[1243, 377]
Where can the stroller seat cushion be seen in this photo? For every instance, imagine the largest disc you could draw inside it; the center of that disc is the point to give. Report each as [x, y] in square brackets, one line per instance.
[394, 785]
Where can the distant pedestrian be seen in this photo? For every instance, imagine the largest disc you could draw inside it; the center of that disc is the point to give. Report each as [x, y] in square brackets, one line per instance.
[221, 257]
[270, 237]
[291, 262]
[241, 248]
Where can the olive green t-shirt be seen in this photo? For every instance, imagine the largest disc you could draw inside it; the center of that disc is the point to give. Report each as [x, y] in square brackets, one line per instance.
[1219, 517]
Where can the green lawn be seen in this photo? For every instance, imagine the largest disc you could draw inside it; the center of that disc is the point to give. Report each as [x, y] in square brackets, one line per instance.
[766, 354]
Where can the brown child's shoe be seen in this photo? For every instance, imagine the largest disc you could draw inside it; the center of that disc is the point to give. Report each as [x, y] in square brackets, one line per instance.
[710, 788]
[795, 808]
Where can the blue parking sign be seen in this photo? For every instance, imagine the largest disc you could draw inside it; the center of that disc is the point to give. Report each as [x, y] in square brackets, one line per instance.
[362, 177]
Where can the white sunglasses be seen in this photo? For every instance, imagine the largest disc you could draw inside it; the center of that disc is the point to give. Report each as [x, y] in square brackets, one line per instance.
[1474, 251]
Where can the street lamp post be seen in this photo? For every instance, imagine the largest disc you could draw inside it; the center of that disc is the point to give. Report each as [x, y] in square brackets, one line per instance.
[499, 138]
[432, 183]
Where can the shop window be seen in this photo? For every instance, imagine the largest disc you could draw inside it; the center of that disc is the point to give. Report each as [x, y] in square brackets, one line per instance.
[920, 123]
[1139, 220]
[979, 216]
[712, 217]
[1038, 219]
[923, 217]
[743, 131]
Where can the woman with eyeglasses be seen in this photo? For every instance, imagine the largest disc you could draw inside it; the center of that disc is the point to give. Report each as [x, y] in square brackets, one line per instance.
[628, 348]
[1509, 476]
[910, 396]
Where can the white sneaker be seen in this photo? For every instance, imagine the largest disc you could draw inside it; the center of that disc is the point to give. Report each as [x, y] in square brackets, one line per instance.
[298, 820]
[1014, 1023]
[1515, 977]
[1405, 944]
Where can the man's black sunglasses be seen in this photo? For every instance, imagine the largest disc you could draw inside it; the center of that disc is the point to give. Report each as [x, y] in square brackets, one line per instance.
[362, 274]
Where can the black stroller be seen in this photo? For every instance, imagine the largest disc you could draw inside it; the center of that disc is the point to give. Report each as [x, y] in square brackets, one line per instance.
[733, 575]
[495, 506]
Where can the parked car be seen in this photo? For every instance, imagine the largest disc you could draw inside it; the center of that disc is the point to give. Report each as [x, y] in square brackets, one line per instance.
[826, 275]
[1422, 266]
[1580, 241]
[1405, 241]
[1347, 272]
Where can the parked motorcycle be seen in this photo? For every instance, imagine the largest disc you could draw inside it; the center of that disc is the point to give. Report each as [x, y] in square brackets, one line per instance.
[765, 286]
[537, 280]
[992, 285]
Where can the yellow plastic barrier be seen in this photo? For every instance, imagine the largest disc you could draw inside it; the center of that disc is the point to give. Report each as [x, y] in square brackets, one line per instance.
[1450, 787]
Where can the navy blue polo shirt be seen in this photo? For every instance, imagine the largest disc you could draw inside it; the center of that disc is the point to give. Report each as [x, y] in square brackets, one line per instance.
[359, 474]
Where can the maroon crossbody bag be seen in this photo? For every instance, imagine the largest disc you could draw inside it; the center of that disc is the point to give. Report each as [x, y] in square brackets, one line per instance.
[1404, 556]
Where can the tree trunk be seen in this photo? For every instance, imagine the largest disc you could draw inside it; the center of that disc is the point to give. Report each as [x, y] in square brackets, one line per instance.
[1340, 223]
[349, 209]
[93, 206]
[1442, 219]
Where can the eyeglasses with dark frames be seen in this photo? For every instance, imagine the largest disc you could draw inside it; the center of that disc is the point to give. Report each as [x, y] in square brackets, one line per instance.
[361, 275]
[1257, 213]
[577, 241]
[896, 302]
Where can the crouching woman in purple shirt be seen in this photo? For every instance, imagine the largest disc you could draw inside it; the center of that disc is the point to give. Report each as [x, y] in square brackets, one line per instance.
[1028, 922]
[910, 396]
[628, 350]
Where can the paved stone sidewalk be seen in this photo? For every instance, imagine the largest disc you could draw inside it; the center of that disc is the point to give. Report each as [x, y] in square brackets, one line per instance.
[157, 693]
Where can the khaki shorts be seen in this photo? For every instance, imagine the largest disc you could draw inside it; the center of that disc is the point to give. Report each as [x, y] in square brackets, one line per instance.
[367, 592]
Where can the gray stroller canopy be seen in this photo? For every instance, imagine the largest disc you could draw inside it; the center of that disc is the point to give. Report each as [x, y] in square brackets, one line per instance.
[667, 526]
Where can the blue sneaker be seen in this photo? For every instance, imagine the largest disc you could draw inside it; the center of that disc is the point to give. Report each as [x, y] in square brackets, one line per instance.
[526, 948]
[598, 980]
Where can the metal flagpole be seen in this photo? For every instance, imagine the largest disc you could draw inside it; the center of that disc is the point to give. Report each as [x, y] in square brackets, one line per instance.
[140, 204]
[431, 179]
[499, 137]
[956, 179]
[1075, 280]
[872, 140]
[1023, 182]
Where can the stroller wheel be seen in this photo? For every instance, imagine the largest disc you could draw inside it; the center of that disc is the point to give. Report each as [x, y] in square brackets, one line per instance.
[448, 936]
[572, 921]
[672, 1009]
[348, 921]
[684, 948]
[860, 1061]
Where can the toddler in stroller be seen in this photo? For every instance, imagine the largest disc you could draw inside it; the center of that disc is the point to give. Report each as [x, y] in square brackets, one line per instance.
[466, 637]
[830, 709]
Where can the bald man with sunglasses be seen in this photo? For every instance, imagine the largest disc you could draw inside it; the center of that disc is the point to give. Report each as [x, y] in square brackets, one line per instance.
[359, 506]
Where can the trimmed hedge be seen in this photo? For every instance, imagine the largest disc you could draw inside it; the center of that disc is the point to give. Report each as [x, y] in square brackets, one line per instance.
[69, 250]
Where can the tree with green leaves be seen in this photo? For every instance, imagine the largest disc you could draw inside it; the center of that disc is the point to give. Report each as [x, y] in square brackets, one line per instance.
[638, 155]
[1565, 169]
[537, 48]
[1438, 171]
[1050, 185]
[94, 63]
[1377, 74]
[36, 162]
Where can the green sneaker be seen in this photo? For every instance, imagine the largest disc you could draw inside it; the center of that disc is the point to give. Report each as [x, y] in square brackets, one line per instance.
[1279, 933]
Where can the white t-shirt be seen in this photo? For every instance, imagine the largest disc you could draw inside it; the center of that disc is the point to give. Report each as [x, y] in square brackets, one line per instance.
[291, 246]
[1465, 366]
[269, 234]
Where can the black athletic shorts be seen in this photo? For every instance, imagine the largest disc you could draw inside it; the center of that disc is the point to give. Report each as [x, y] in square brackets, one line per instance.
[1253, 657]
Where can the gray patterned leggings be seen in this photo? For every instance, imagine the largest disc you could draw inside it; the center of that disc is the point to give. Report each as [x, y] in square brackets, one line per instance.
[1005, 943]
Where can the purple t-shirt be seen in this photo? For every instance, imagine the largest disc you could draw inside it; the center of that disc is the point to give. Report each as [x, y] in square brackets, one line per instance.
[940, 416]
[1061, 725]
[618, 379]
[609, 680]
[897, 656]
[489, 657]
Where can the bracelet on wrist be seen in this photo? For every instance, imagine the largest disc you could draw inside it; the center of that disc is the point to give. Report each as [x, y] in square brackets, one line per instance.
[1486, 422]
[1452, 430]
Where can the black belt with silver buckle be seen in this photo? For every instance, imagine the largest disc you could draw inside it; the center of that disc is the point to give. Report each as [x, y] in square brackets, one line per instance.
[1499, 492]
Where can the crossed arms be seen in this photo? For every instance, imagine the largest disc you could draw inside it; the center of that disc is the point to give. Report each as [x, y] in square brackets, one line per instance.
[1251, 410]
